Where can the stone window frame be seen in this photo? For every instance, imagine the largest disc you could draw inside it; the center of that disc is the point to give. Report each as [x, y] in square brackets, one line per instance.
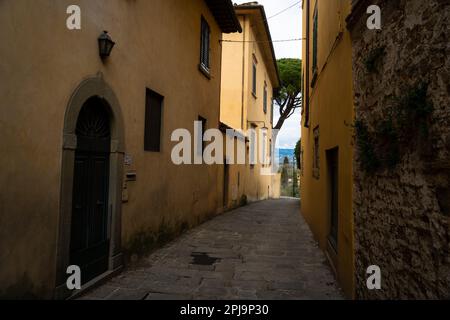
[91, 87]
[254, 76]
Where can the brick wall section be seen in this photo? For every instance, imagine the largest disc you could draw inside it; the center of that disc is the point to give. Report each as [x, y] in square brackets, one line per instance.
[402, 221]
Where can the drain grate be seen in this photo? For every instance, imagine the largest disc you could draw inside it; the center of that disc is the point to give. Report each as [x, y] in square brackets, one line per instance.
[203, 259]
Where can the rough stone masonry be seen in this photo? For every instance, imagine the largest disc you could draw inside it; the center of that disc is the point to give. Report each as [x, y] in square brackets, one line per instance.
[402, 211]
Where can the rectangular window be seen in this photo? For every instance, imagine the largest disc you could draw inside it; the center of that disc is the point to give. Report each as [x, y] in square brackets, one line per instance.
[271, 110]
[254, 78]
[264, 149]
[153, 119]
[253, 147]
[270, 152]
[316, 154]
[205, 46]
[202, 143]
[315, 36]
[265, 98]
[333, 202]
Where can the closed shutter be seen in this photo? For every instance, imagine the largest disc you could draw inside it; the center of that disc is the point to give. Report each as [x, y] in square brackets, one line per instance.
[254, 79]
[205, 44]
[265, 100]
[153, 119]
[315, 35]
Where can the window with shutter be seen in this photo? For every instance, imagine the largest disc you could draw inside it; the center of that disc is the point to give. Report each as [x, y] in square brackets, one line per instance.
[265, 98]
[271, 110]
[204, 46]
[315, 35]
[153, 119]
[254, 79]
[316, 155]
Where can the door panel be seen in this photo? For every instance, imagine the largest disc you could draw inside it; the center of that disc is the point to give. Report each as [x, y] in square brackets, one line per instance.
[89, 247]
[333, 172]
[99, 203]
[80, 203]
[89, 243]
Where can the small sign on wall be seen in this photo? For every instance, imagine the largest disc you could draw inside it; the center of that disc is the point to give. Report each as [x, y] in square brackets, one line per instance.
[128, 159]
[125, 192]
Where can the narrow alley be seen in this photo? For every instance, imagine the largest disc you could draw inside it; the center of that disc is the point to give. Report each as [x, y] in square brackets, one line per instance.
[262, 251]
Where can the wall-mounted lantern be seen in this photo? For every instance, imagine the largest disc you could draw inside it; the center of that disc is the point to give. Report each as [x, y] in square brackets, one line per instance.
[265, 128]
[105, 45]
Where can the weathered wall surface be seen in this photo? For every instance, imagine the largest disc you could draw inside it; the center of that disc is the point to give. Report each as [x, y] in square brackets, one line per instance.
[402, 214]
[240, 108]
[330, 110]
[41, 64]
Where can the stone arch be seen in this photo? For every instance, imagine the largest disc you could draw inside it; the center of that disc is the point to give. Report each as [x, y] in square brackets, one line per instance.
[92, 87]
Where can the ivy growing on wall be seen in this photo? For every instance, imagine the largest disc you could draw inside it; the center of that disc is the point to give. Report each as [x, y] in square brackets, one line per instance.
[365, 144]
[405, 122]
[373, 57]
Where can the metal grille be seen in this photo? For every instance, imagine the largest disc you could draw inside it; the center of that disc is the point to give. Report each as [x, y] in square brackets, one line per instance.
[93, 121]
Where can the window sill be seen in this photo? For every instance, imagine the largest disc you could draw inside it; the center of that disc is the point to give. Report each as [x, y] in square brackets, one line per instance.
[152, 151]
[204, 71]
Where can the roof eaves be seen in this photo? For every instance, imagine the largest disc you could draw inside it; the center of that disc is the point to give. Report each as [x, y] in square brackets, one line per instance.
[266, 25]
[223, 12]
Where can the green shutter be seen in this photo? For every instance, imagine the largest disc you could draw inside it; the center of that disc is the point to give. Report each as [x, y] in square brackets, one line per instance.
[315, 34]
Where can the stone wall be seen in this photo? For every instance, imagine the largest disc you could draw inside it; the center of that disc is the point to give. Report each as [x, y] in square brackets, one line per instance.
[402, 208]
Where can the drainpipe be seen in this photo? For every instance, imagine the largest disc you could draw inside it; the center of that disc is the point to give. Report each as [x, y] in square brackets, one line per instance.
[307, 84]
[243, 75]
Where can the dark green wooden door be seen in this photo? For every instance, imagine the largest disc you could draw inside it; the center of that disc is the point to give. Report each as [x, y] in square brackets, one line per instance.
[333, 171]
[89, 247]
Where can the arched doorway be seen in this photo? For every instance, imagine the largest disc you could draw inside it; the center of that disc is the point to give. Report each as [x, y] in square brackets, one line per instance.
[89, 244]
[91, 185]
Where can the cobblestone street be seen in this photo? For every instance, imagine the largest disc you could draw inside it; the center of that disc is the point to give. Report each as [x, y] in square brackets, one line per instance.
[262, 251]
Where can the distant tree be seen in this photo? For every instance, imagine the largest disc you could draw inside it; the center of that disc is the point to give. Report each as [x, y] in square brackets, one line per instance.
[286, 161]
[295, 186]
[284, 176]
[288, 97]
[297, 151]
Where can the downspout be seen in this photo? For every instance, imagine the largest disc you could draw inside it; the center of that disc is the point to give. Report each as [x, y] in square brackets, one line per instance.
[307, 84]
[243, 75]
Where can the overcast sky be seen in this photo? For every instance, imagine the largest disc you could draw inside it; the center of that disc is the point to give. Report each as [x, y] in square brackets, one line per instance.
[286, 25]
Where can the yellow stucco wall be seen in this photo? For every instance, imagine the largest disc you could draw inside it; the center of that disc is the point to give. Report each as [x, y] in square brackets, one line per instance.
[240, 108]
[331, 110]
[42, 63]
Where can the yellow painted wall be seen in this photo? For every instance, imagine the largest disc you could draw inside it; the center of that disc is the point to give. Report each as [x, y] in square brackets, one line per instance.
[42, 63]
[331, 109]
[239, 107]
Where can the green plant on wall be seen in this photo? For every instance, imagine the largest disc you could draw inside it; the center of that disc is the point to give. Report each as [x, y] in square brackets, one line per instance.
[388, 143]
[367, 156]
[414, 110]
[372, 59]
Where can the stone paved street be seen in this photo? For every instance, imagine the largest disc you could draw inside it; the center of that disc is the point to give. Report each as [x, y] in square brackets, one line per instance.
[262, 251]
